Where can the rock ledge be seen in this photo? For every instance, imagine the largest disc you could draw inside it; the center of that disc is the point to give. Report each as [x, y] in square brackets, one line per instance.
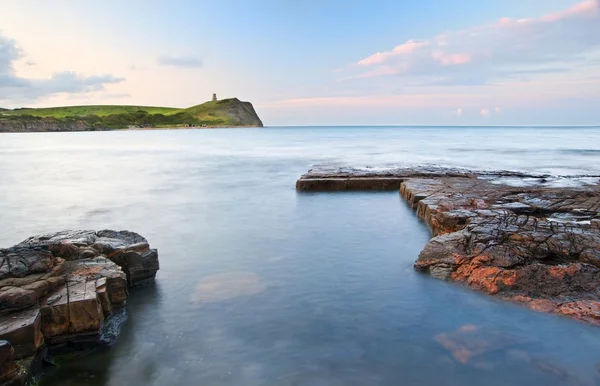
[530, 239]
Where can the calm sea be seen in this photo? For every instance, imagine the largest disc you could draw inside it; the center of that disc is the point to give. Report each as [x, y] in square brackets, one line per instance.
[262, 285]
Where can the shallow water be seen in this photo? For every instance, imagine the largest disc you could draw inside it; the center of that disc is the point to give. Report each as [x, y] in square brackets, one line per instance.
[262, 285]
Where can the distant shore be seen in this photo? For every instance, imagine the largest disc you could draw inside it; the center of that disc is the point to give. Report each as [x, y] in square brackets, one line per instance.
[185, 128]
[214, 114]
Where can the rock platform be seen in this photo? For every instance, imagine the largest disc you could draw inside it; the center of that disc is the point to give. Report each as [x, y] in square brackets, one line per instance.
[56, 290]
[530, 239]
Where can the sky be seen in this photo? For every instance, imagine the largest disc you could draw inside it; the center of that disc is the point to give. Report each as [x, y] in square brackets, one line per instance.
[312, 62]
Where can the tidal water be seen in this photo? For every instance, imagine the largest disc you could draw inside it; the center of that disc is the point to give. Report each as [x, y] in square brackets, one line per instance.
[263, 285]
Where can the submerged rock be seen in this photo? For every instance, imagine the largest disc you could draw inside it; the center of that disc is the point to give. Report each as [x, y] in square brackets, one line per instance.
[470, 341]
[57, 289]
[224, 286]
[530, 239]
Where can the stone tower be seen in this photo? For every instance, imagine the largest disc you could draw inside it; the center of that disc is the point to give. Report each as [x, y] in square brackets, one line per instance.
[214, 97]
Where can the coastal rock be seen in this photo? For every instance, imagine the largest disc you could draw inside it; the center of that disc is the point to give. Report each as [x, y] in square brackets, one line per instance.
[536, 246]
[115, 245]
[531, 239]
[57, 288]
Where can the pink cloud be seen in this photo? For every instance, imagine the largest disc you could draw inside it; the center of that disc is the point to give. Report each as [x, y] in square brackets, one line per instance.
[500, 50]
[403, 49]
[402, 101]
[511, 96]
[451, 59]
[587, 8]
[380, 71]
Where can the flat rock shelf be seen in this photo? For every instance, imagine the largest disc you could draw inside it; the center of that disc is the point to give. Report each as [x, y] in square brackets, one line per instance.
[56, 290]
[530, 239]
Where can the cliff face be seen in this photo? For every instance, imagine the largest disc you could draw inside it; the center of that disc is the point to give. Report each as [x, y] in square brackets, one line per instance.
[226, 113]
[243, 112]
[43, 125]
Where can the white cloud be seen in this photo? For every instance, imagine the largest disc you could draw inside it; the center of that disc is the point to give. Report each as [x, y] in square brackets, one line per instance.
[559, 42]
[459, 112]
[497, 110]
[16, 88]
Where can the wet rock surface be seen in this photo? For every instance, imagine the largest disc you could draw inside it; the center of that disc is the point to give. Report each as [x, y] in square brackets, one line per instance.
[8, 367]
[56, 289]
[531, 239]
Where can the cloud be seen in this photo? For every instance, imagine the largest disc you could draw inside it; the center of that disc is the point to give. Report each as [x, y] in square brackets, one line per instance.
[402, 49]
[563, 41]
[459, 112]
[15, 88]
[485, 112]
[179, 61]
[586, 7]
[497, 110]
[451, 59]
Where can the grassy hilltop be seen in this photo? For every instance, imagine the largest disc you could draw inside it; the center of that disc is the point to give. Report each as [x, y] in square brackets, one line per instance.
[223, 113]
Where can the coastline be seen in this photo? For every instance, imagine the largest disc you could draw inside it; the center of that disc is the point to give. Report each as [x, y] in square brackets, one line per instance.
[131, 129]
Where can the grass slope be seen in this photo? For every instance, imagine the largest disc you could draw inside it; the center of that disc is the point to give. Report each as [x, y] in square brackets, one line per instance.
[81, 111]
[214, 112]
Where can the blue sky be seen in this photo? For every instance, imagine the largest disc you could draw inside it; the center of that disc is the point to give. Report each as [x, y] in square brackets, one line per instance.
[313, 62]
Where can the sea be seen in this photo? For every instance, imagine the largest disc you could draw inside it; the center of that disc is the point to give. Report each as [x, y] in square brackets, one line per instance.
[262, 285]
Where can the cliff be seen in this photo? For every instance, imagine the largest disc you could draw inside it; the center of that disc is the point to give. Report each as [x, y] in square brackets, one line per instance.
[223, 113]
[231, 112]
[16, 125]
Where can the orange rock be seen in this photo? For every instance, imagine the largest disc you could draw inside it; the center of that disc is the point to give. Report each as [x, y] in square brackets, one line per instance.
[585, 310]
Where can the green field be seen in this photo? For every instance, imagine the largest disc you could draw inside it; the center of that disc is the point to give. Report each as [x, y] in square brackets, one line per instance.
[224, 112]
[81, 111]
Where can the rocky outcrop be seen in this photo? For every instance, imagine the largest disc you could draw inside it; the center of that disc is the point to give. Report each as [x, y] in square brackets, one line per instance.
[57, 289]
[336, 178]
[529, 239]
[241, 112]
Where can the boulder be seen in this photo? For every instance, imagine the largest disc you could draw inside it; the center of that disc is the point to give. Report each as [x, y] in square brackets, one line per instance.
[58, 288]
